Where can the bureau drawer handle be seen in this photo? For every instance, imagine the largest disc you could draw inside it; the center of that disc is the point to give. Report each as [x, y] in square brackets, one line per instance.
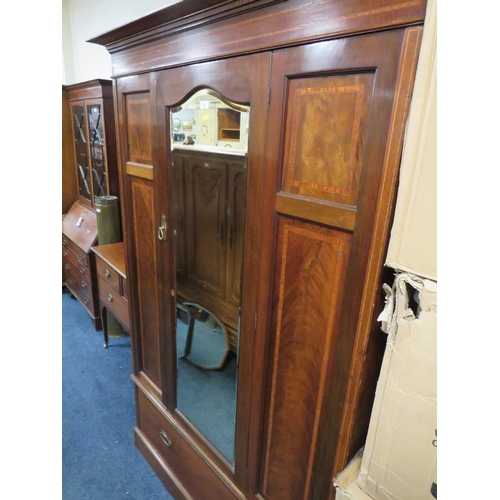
[165, 439]
[107, 273]
[85, 301]
[83, 284]
[110, 297]
[80, 257]
[65, 254]
[67, 266]
[82, 270]
[64, 242]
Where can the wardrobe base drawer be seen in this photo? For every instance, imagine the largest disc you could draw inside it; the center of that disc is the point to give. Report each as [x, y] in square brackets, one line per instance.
[178, 458]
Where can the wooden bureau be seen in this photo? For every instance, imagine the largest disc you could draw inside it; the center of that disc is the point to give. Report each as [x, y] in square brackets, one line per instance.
[79, 233]
[112, 285]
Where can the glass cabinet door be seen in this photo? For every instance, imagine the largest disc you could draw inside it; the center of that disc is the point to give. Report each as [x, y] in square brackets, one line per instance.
[81, 151]
[97, 152]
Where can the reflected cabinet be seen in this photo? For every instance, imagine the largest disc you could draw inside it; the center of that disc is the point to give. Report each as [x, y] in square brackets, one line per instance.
[259, 153]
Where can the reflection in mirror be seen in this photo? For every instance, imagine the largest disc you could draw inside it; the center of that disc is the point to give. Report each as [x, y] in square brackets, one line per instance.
[210, 122]
[209, 145]
[206, 394]
[206, 343]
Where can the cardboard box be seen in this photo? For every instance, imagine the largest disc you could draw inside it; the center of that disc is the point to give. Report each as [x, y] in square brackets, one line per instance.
[345, 485]
[399, 460]
[413, 242]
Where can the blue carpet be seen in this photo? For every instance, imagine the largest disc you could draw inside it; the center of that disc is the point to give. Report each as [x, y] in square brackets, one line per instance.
[99, 457]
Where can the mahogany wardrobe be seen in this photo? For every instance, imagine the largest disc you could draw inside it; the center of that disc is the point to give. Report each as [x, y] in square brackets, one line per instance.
[259, 144]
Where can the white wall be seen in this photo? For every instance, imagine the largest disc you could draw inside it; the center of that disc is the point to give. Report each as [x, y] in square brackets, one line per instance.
[84, 19]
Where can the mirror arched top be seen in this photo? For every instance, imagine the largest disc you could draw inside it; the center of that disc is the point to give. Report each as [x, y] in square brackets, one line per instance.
[208, 121]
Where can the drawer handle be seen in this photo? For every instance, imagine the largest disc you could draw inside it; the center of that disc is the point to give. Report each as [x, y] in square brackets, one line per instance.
[110, 297]
[64, 242]
[165, 439]
[80, 257]
[83, 284]
[67, 266]
[107, 273]
[65, 254]
[85, 301]
[82, 270]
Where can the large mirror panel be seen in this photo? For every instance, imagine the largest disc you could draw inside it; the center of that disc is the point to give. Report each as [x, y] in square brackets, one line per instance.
[209, 140]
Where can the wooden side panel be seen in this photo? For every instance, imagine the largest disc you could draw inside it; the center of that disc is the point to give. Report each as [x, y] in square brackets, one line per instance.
[310, 272]
[69, 180]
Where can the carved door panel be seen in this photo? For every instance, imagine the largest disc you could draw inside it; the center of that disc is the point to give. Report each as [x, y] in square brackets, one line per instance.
[206, 196]
[236, 209]
[339, 110]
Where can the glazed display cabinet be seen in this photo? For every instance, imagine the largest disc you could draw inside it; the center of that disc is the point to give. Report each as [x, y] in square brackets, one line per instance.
[94, 139]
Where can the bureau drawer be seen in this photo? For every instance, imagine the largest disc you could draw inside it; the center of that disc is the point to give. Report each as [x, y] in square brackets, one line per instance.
[113, 301]
[108, 275]
[181, 459]
[70, 246]
[85, 299]
[77, 267]
[80, 279]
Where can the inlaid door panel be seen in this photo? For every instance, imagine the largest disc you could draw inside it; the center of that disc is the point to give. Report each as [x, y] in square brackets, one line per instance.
[134, 98]
[325, 136]
[310, 273]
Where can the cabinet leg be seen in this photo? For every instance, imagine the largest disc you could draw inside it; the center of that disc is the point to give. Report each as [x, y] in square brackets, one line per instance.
[104, 319]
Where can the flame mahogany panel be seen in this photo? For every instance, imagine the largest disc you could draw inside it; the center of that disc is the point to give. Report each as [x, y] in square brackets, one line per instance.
[310, 272]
